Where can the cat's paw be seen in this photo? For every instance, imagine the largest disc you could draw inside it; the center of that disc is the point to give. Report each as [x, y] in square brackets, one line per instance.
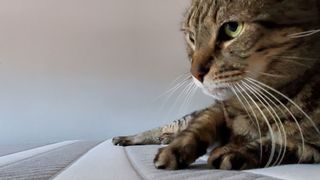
[231, 159]
[122, 141]
[166, 138]
[174, 157]
[166, 159]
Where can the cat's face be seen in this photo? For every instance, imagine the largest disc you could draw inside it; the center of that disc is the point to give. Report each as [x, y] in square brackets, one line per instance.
[230, 41]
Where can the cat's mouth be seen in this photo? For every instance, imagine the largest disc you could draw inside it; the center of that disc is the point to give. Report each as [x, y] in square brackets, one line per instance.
[218, 92]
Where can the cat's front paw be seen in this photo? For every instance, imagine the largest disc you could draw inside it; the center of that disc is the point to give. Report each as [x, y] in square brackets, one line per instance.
[231, 159]
[174, 157]
[123, 141]
[166, 159]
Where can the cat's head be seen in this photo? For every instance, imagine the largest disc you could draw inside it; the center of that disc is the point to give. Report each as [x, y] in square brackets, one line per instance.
[232, 41]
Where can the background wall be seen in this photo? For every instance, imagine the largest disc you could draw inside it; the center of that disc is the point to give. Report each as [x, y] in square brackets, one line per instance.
[88, 69]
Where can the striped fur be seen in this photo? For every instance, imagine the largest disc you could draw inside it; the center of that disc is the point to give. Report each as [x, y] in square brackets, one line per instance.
[266, 82]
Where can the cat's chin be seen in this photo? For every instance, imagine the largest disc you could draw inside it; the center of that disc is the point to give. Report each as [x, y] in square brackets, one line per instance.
[219, 94]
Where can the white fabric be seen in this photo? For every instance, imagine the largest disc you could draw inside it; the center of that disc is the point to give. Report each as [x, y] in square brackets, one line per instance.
[291, 172]
[287, 172]
[111, 162]
[105, 161]
[12, 158]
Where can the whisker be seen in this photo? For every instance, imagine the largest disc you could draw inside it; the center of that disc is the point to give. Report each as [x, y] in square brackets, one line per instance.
[172, 92]
[276, 118]
[182, 94]
[294, 62]
[297, 58]
[297, 63]
[288, 99]
[267, 74]
[254, 114]
[288, 110]
[304, 34]
[193, 92]
[187, 96]
[182, 76]
[282, 126]
[267, 122]
[242, 103]
[259, 99]
[177, 83]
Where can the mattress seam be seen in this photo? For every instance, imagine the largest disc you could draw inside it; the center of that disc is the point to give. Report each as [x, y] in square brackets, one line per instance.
[73, 162]
[132, 164]
[263, 175]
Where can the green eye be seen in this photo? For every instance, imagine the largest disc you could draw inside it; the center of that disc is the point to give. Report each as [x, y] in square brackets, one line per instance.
[232, 29]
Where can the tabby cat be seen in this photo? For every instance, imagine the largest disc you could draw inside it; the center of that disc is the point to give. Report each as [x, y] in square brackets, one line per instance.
[260, 60]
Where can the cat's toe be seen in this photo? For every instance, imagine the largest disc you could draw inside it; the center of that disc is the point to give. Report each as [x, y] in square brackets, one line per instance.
[122, 141]
[232, 160]
[173, 158]
[166, 159]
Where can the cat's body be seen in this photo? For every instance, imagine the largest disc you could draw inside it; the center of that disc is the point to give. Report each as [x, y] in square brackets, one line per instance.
[260, 60]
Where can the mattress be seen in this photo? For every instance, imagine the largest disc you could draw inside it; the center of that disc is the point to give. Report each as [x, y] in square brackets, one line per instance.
[77, 160]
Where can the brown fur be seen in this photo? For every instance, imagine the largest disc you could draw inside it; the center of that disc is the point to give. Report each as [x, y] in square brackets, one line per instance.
[266, 82]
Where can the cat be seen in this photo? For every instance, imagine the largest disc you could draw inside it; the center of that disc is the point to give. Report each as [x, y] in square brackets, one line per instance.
[259, 59]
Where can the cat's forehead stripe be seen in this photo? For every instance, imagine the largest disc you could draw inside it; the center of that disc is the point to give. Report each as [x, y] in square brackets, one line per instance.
[200, 10]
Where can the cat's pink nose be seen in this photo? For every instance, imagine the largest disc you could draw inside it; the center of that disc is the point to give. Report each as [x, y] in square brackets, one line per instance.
[199, 71]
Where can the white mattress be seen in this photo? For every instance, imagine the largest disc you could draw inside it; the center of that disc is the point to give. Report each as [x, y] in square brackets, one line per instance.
[112, 159]
[77, 160]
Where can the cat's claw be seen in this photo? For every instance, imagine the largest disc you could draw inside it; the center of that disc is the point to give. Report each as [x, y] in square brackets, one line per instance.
[122, 141]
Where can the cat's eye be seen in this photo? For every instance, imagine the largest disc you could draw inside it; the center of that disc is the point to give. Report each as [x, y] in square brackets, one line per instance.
[231, 30]
[191, 40]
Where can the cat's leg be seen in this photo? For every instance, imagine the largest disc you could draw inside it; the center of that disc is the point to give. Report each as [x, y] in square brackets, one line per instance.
[161, 135]
[250, 155]
[193, 142]
[148, 137]
[154, 136]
